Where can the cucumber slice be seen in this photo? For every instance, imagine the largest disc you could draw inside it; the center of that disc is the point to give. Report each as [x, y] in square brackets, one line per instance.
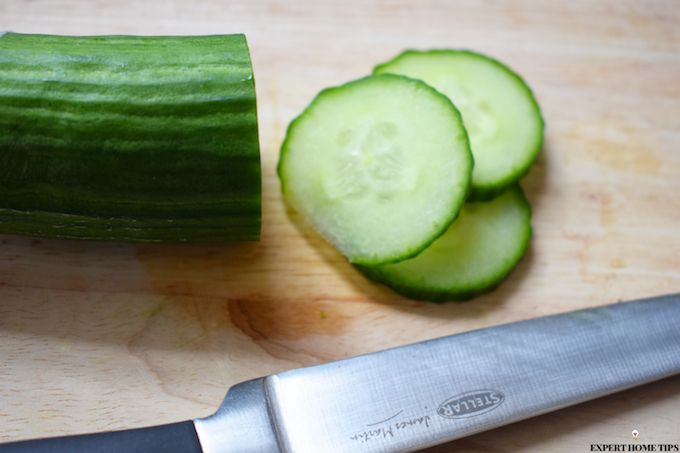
[379, 166]
[476, 253]
[499, 110]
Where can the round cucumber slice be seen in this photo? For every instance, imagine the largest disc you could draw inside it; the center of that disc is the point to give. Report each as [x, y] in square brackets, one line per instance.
[499, 111]
[475, 254]
[379, 166]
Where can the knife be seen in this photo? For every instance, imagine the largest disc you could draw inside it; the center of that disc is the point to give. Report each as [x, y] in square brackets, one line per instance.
[416, 396]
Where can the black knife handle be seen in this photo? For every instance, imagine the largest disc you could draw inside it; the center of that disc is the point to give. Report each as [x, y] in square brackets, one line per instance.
[173, 438]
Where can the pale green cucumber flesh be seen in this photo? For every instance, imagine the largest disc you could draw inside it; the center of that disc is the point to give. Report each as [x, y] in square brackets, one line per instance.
[128, 138]
[379, 166]
[477, 252]
[500, 113]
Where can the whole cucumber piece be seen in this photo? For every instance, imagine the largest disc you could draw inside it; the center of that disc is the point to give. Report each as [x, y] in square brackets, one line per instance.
[129, 138]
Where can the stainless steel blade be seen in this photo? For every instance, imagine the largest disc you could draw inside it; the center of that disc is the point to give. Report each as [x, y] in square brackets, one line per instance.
[424, 394]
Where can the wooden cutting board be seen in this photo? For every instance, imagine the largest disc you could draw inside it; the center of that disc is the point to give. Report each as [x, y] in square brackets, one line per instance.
[97, 336]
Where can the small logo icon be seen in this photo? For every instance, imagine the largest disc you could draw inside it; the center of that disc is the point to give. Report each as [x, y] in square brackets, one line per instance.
[635, 433]
[470, 404]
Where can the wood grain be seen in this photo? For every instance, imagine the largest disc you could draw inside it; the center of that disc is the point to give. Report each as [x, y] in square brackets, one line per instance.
[100, 336]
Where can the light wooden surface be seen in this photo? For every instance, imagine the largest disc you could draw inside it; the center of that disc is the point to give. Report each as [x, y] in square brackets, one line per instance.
[102, 336]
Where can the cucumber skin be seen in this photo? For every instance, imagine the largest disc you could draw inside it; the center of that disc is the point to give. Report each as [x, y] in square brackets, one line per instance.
[455, 210]
[125, 138]
[488, 192]
[460, 295]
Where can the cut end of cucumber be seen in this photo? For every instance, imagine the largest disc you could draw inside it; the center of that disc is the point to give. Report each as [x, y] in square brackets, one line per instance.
[476, 253]
[380, 166]
[499, 111]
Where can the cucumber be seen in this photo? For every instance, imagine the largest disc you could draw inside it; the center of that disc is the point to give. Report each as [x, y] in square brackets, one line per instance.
[128, 138]
[500, 112]
[379, 166]
[476, 253]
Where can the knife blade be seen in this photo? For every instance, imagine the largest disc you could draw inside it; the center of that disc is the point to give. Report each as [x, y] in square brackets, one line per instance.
[424, 394]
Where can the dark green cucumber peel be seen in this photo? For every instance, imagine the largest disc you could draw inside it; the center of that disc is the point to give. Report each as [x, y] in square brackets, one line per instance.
[338, 90]
[422, 287]
[481, 192]
[128, 138]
